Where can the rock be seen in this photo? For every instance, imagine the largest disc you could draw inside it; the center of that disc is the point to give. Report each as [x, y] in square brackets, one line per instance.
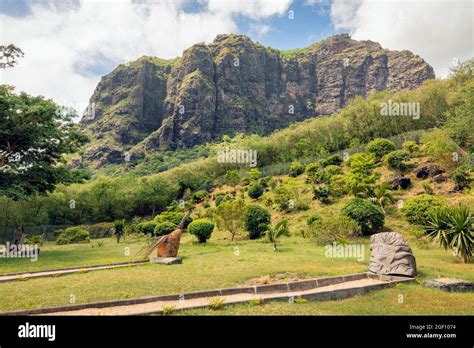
[434, 170]
[166, 260]
[399, 181]
[450, 284]
[427, 171]
[439, 178]
[236, 85]
[391, 255]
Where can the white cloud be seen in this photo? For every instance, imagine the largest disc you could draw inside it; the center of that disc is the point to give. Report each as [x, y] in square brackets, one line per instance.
[59, 43]
[439, 31]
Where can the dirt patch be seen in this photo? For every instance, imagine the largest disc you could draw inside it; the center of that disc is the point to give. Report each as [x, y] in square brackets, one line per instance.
[274, 278]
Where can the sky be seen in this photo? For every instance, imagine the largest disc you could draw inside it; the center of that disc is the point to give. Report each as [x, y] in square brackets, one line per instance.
[70, 44]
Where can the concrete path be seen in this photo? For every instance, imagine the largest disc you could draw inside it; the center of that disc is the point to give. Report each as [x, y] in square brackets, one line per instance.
[52, 272]
[158, 306]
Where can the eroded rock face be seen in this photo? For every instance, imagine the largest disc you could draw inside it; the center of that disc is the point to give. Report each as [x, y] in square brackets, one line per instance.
[391, 255]
[236, 85]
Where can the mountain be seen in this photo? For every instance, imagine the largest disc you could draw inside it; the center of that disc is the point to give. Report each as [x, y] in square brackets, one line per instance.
[235, 85]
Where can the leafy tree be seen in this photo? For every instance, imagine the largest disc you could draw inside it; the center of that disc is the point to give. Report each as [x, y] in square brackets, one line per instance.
[9, 56]
[119, 229]
[229, 216]
[34, 136]
[154, 193]
[273, 233]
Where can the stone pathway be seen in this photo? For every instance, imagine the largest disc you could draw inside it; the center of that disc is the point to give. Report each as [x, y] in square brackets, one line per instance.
[48, 273]
[158, 306]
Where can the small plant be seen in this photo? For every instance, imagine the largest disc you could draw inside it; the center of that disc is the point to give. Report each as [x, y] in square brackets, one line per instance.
[300, 300]
[381, 196]
[254, 217]
[275, 232]
[202, 229]
[312, 219]
[257, 302]
[427, 188]
[461, 177]
[296, 169]
[380, 147]
[369, 217]
[100, 244]
[216, 303]
[167, 310]
[453, 228]
[255, 191]
[254, 174]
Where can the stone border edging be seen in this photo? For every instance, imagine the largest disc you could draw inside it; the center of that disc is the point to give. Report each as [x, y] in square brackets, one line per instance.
[258, 289]
[69, 270]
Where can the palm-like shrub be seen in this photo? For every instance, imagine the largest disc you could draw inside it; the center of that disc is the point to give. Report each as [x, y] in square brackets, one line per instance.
[453, 228]
[382, 195]
[275, 232]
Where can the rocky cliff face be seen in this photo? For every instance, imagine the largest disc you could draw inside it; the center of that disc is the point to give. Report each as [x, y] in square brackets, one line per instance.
[236, 85]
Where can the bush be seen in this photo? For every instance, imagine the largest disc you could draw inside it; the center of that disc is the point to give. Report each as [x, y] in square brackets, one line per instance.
[411, 146]
[380, 147]
[34, 239]
[173, 217]
[202, 229]
[255, 191]
[396, 159]
[147, 227]
[222, 197]
[312, 169]
[312, 219]
[163, 228]
[418, 209]
[296, 169]
[254, 217]
[334, 229]
[100, 230]
[333, 160]
[322, 193]
[199, 196]
[461, 177]
[73, 235]
[369, 217]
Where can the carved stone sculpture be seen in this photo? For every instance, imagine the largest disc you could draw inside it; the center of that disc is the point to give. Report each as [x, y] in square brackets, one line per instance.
[391, 255]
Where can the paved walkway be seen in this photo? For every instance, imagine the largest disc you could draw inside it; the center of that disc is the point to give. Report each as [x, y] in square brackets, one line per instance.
[158, 306]
[48, 273]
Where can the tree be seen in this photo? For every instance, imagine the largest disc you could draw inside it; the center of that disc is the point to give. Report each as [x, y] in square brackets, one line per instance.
[9, 55]
[118, 229]
[275, 232]
[380, 147]
[382, 196]
[34, 136]
[228, 216]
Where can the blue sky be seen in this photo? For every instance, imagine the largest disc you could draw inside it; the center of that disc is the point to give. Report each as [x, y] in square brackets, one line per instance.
[70, 44]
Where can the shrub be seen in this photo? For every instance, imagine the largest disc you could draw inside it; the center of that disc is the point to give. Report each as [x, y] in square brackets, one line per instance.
[453, 228]
[461, 177]
[427, 188]
[73, 235]
[333, 160]
[312, 169]
[312, 219]
[147, 227]
[322, 193]
[222, 197]
[34, 239]
[334, 229]
[255, 191]
[411, 146]
[163, 228]
[232, 177]
[418, 209]
[199, 196]
[369, 217]
[296, 169]
[254, 173]
[302, 206]
[173, 217]
[396, 159]
[101, 230]
[380, 147]
[202, 229]
[254, 217]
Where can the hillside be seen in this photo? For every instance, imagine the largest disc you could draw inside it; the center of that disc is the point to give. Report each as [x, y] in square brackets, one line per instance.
[235, 85]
